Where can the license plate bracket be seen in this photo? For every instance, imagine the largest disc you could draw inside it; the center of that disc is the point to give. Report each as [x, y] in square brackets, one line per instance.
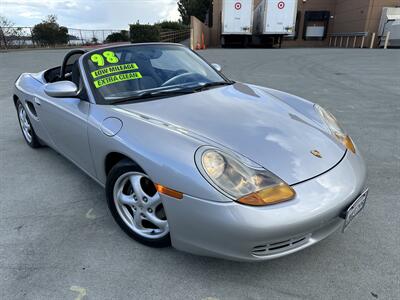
[354, 209]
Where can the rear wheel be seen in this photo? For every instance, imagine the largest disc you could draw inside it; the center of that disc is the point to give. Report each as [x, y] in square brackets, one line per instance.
[26, 126]
[136, 205]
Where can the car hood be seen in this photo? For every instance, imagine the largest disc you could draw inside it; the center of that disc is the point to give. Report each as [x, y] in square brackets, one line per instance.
[254, 123]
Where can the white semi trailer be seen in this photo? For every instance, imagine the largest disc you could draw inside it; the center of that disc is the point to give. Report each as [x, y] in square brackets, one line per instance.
[237, 22]
[274, 19]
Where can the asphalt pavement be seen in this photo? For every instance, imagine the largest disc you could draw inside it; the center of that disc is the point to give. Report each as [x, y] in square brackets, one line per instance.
[58, 240]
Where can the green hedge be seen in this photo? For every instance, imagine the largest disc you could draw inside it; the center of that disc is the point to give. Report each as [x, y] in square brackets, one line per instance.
[172, 25]
[144, 33]
[115, 37]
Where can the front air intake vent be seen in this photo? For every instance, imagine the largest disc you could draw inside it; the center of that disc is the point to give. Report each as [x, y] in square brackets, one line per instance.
[281, 246]
[31, 108]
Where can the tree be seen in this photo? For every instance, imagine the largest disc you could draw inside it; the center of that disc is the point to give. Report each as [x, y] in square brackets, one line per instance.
[115, 37]
[143, 33]
[8, 32]
[171, 25]
[49, 33]
[197, 8]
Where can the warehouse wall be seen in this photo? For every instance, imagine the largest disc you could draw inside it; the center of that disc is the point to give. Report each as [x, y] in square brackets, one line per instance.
[375, 12]
[215, 31]
[346, 16]
[350, 15]
[360, 15]
[311, 5]
[198, 31]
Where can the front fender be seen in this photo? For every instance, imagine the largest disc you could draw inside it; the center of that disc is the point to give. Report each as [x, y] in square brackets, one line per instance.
[163, 152]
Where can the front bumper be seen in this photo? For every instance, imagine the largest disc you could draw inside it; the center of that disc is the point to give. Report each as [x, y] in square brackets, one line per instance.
[238, 232]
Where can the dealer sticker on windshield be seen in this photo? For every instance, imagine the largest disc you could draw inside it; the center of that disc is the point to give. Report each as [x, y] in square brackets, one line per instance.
[116, 78]
[114, 69]
[109, 57]
[354, 209]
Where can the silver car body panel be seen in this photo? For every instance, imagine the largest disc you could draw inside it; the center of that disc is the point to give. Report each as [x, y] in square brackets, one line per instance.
[255, 124]
[233, 231]
[274, 129]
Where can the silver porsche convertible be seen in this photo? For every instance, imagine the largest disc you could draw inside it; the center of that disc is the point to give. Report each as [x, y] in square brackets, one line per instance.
[191, 158]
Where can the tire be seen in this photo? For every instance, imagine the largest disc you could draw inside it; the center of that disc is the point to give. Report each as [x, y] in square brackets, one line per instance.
[25, 124]
[223, 42]
[136, 205]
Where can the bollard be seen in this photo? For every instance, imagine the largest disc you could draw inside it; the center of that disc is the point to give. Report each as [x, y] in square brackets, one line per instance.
[362, 42]
[355, 41]
[341, 40]
[347, 42]
[330, 41]
[372, 40]
[335, 41]
[192, 38]
[387, 40]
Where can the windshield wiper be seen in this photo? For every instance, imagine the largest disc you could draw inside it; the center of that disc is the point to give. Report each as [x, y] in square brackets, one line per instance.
[152, 94]
[212, 84]
[169, 92]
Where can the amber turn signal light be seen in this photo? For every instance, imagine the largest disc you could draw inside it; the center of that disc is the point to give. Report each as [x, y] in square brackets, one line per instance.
[169, 192]
[271, 195]
[348, 143]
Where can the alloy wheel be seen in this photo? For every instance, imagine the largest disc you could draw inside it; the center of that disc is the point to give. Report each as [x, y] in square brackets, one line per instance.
[24, 122]
[139, 205]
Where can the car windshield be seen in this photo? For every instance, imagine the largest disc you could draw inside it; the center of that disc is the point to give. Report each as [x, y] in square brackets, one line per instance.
[137, 71]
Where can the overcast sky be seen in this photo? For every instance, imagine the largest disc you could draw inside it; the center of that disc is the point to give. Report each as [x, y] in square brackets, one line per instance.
[90, 14]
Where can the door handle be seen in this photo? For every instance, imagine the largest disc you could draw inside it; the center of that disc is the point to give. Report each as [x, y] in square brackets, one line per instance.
[37, 100]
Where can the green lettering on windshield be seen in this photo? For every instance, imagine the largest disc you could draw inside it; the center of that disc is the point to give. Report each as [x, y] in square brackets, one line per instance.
[110, 57]
[116, 78]
[99, 60]
[114, 69]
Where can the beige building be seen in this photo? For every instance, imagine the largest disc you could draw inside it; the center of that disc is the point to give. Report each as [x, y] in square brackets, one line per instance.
[337, 16]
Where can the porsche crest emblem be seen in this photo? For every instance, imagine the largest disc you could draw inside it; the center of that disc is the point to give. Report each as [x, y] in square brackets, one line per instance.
[316, 153]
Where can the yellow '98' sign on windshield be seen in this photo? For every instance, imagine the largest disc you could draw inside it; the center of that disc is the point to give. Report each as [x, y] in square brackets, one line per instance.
[108, 55]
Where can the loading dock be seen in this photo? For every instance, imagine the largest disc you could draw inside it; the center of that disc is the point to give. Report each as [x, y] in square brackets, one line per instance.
[316, 21]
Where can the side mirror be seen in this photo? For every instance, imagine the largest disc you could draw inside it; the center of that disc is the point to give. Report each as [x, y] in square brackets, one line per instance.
[217, 67]
[61, 89]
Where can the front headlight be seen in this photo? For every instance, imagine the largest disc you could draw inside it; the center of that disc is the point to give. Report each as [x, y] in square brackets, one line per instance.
[241, 181]
[334, 127]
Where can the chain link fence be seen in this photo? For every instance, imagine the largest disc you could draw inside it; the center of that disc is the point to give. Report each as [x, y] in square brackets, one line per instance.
[21, 37]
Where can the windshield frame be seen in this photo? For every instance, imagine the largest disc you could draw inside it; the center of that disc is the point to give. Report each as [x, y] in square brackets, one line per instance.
[100, 100]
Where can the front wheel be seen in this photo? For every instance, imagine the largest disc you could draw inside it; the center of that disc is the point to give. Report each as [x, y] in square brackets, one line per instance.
[136, 205]
[26, 126]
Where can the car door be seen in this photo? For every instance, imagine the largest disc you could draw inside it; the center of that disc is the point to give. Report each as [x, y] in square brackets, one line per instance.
[65, 120]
